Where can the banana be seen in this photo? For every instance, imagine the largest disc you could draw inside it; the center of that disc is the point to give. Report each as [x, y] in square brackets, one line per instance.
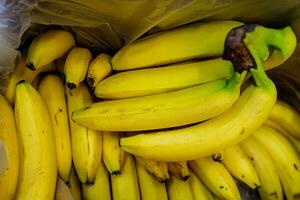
[113, 156]
[159, 170]
[38, 168]
[35, 83]
[286, 116]
[165, 110]
[125, 186]
[57, 107]
[74, 185]
[266, 170]
[200, 192]
[149, 187]
[86, 143]
[99, 69]
[240, 166]
[179, 169]
[48, 47]
[144, 82]
[76, 66]
[284, 156]
[175, 45]
[8, 135]
[216, 178]
[100, 189]
[179, 189]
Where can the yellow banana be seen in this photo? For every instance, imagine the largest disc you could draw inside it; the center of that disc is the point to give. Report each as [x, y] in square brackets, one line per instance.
[193, 41]
[216, 177]
[284, 156]
[86, 143]
[113, 156]
[179, 189]
[159, 170]
[48, 47]
[99, 69]
[200, 192]
[266, 170]
[165, 110]
[8, 135]
[240, 166]
[38, 168]
[76, 66]
[179, 169]
[125, 185]
[74, 185]
[52, 91]
[100, 189]
[287, 116]
[149, 187]
[35, 83]
[144, 82]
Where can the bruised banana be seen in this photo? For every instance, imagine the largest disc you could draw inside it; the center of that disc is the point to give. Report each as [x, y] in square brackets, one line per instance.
[179, 189]
[165, 110]
[38, 168]
[8, 135]
[57, 107]
[159, 170]
[48, 47]
[266, 170]
[284, 156]
[199, 190]
[76, 66]
[99, 69]
[179, 169]
[86, 143]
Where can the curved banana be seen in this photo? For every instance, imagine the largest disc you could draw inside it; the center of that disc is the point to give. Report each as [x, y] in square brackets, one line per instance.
[165, 110]
[144, 82]
[125, 185]
[149, 187]
[74, 185]
[179, 169]
[284, 156]
[240, 166]
[100, 189]
[57, 107]
[200, 192]
[38, 168]
[266, 170]
[9, 137]
[216, 178]
[47, 47]
[86, 143]
[99, 69]
[159, 170]
[175, 45]
[76, 66]
[179, 189]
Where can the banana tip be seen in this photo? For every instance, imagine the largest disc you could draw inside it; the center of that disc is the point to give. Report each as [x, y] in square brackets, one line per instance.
[71, 85]
[21, 82]
[31, 66]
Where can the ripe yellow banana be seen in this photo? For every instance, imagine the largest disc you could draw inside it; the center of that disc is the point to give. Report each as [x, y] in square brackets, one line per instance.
[266, 170]
[286, 116]
[149, 187]
[240, 166]
[38, 168]
[100, 189]
[99, 69]
[200, 192]
[144, 82]
[165, 110]
[193, 41]
[125, 185]
[216, 177]
[113, 156]
[179, 169]
[284, 156]
[75, 185]
[52, 91]
[48, 47]
[86, 143]
[179, 189]
[8, 135]
[159, 170]
[76, 66]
